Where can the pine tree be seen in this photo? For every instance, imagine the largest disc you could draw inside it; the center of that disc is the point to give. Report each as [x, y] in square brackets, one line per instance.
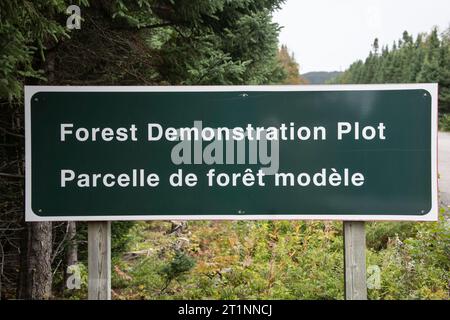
[122, 42]
[425, 59]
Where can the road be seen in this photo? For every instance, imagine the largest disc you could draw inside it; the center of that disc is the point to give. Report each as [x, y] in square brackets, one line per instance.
[444, 166]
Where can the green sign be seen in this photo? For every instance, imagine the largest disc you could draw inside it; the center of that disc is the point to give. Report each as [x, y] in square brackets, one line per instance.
[257, 152]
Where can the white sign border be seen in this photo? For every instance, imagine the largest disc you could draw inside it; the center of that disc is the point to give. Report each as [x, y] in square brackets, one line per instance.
[432, 89]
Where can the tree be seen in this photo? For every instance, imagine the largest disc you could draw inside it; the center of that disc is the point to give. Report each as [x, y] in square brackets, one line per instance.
[426, 59]
[35, 281]
[122, 42]
[375, 47]
[444, 73]
[290, 66]
[27, 30]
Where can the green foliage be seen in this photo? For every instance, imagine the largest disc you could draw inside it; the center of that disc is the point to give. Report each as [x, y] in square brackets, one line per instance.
[142, 280]
[378, 234]
[129, 42]
[120, 236]
[284, 260]
[236, 45]
[177, 267]
[444, 122]
[27, 29]
[426, 59]
[139, 42]
[59, 281]
[415, 266]
[222, 42]
[80, 294]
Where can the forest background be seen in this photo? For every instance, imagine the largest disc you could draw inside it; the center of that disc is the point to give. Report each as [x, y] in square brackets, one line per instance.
[174, 42]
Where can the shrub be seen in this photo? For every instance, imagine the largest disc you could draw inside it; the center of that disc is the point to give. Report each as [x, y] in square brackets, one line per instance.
[444, 122]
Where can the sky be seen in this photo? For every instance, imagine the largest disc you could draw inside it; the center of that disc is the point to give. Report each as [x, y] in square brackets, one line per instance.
[328, 35]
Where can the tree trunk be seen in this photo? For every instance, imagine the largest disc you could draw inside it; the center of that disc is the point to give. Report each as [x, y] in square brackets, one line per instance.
[35, 275]
[35, 280]
[71, 252]
[72, 248]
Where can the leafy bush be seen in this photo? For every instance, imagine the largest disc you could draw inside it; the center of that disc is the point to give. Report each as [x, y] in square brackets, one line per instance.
[378, 234]
[120, 236]
[285, 260]
[444, 122]
[417, 267]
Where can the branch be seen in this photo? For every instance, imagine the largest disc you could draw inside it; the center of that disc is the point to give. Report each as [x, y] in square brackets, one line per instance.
[12, 133]
[158, 25]
[11, 175]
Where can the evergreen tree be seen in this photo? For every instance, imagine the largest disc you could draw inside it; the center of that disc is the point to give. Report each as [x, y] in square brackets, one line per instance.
[121, 42]
[425, 59]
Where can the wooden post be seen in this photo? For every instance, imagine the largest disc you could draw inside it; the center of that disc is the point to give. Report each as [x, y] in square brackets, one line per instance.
[99, 260]
[355, 260]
